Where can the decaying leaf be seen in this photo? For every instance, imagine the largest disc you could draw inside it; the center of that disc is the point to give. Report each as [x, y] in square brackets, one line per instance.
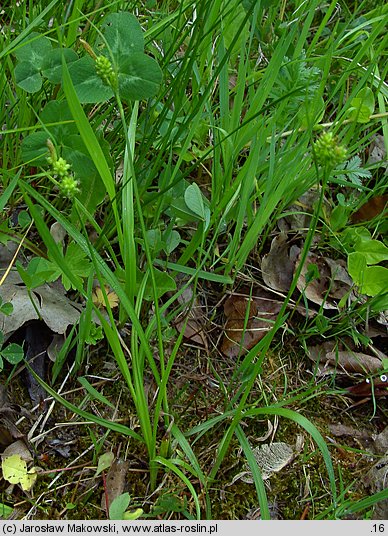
[191, 318]
[14, 469]
[372, 208]
[270, 459]
[99, 301]
[277, 267]
[9, 413]
[55, 309]
[115, 481]
[332, 354]
[332, 284]
[299, 214]
[18, 448]
[376, 387]
[262, 309]
[376, 479]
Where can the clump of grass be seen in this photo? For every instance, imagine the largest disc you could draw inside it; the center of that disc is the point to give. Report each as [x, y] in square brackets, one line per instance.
[258, 104]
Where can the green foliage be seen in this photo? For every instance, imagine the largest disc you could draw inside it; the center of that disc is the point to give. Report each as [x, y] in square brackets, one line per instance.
[362, 106]
[13, 353]
[118, 509]
[131, 72]
[372, 280]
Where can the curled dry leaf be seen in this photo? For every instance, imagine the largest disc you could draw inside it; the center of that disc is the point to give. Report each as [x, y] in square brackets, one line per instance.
[299, 214]
[277, 267]
[270, 459]
[262, 310]
[367, 389]
[332, 284]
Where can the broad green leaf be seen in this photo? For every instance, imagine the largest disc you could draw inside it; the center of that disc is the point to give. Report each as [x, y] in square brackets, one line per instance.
[118, 506]
[88, 86]
[34, 148]
[172, 240]
[6, 309]
[362, 106]
[374, 251]
[123, 34]
[375, 281]
[131, 516]
[13, 353]
[139, 77]
[52, 63]
[5, 511]
[27, 77]
[59, 112]
[29, 479]
[33, 49]
[104, 462]
[77, 261]
[164, 283]
[356, 266]
[194, 200]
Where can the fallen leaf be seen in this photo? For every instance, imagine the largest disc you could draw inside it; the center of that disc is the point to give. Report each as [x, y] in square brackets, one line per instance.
[381, 441]
[55, 309]
[277, 268]
[270, 459]
[367, 389]
[354, 361]
[376, 479]
[99, 301]
[9, 413]
[14, 470]
[369, 210]
[18, 448]
[332, 284]
[262, 310]
[193, 313]
[330, 353]
[115, 481]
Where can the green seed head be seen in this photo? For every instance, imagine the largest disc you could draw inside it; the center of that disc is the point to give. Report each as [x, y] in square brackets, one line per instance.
[328, 151]
[105, 71]
[68, 187]
[60, 167]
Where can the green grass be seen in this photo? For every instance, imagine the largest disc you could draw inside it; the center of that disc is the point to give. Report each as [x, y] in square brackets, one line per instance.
[247, 89]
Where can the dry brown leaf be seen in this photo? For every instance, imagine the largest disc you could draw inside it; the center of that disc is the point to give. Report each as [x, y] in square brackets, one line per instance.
[376, 479]
[99, 301]
[277, 267]
[354, 361]
[115, 481]
[317, 289]
[262, 310]
[50, 303]
[369, 210]
[331, 354]
[193, 329]
[332, 284]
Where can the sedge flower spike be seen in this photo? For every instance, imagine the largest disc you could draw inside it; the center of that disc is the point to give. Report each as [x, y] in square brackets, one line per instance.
[328, 151]
[105, 71]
